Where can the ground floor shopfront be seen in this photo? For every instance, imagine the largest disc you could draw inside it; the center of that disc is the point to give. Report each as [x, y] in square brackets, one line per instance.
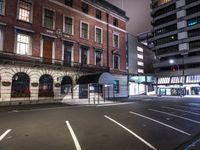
[176, 86]
[22, 84]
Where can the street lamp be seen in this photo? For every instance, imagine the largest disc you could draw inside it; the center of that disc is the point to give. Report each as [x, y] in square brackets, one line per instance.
[172, 61]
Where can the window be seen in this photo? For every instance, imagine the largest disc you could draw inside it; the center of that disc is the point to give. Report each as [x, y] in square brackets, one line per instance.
[193, 21]
[140, 63]
[98, 35]
[84, 30]
[25, 10]
[116, 86]
[98, 14]
[68, 25]
[140, 70]
[84, 7]
[139, 49]
[66, 85]
[69, 2]
[98, 59]
[84, 55]
[140, 56]
[1, 40]
[20, 85]
[115, 22]
[116, 40]
[67, 53]
[23, 44]
[2, 7]
[46, 86]
[49, 18]
[116, 62]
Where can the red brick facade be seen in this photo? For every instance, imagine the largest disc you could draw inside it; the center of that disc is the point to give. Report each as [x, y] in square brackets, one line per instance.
[37, 30]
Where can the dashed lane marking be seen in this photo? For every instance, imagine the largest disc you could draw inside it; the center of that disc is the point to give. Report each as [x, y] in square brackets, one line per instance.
[78, 147]
[188, 107]
[4, 134]
[131, 132]
[189, 112]
[162, 112]
[164, 124]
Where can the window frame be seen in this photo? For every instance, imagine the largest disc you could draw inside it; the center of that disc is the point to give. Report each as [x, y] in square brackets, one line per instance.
[95, 32]
[64, 29]
[3, 8]
[30, 44]
[117, 34]
[31, 12]
[118, 68]
[43, 18]
[88, 33]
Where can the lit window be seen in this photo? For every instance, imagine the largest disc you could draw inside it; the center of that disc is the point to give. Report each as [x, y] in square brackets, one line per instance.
[23, 44]
[84, 30]
[115, 40]
[98, 35]
[140, 70]
[116, 62]
[193, 21]
[140, 56]
[140, 49]
[68, 25]
[2, 5]
[24, 10]
[140, 63]
[49, 18]
[1, 40]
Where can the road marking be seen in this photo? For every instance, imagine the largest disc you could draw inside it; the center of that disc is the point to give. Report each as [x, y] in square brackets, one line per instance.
[162, 112]
[131, 132]
[190, 112]
[188, 107]
[166, 125]
[4, 134]
[115, 104]
[78, 147]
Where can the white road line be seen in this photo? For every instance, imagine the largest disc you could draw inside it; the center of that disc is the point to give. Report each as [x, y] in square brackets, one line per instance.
[131, 132]
[190, 112]
[164, 124]
[78, 147]
[188, 107]
[188, 119]
[115, 104]
[4, 134]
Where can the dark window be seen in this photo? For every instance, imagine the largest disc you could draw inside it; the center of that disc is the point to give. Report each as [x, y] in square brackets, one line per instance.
[20, 85]
[193, 33]
[69, 2]
[98, 58]
[66, 85]
[165, 40]
[84, 7]
[67, 53]
[46, 86]
[116, 86]
[190, 1]
[98, 35]
[68, 25]
[48, 18]
[98, 14]
[84, 30]
[165, 10]
[193, 10]
[115, 22]
[165, 20]
[116, 62]
[194, 44]
[167, 50]
[166, 29]
[84, 56]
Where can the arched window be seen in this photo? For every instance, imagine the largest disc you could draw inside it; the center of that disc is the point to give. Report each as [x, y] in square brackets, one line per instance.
[20, 85]
[66, 85]
[46, 86]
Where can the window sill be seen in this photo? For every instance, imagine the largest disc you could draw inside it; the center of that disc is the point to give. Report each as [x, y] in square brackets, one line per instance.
[25, 21]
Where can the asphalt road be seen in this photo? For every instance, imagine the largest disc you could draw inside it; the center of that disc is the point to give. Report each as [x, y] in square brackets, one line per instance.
[141, 125]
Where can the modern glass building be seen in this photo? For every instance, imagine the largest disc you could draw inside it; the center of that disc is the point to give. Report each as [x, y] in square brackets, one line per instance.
[175, 39]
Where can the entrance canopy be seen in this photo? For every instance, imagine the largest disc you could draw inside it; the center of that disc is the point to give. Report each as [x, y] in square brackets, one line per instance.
[103, 78]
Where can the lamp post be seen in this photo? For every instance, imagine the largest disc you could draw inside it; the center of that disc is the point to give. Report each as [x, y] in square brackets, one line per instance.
[171, 61]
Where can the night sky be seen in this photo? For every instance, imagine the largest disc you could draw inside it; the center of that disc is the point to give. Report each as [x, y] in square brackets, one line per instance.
[139, 13]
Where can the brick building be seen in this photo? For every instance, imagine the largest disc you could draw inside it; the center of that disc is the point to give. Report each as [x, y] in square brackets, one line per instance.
[55, 48]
